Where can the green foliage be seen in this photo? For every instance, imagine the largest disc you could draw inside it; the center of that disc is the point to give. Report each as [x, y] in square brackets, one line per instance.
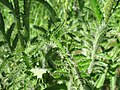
[59, 44]
[96, 9]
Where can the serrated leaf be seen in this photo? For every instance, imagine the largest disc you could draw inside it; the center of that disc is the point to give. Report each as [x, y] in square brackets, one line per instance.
[40, 28]
[9, 31]
[14, 44]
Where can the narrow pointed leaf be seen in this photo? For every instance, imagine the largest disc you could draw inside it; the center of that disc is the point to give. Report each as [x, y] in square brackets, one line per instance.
[15, 42]
[22, 40]
[50, 9]
[9, 31]
[2, 25]
[40, 28]
[7, 4]
[17, 13]
[26, 16]
[100, 81]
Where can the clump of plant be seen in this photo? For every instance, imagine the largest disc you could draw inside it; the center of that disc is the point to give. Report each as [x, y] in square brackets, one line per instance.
[54, 45]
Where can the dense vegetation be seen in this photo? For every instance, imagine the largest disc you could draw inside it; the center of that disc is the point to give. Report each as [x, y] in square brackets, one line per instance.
[59, 45]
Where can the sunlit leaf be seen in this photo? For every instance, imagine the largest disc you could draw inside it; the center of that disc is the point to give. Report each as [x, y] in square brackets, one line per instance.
[96, 9]
[100, 80]
[38, 72]
[112, 83]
